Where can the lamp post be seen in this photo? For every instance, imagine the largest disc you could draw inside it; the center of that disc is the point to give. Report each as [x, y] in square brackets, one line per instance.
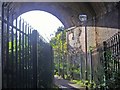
[83, 19]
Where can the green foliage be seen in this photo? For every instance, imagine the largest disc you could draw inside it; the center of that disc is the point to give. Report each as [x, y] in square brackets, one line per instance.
[113, 75]
[79, 82]
[60, 48]
[75, 69]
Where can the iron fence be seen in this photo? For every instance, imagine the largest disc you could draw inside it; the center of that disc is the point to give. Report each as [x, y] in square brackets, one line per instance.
[44, 61]
[23, 54]
[106, 63]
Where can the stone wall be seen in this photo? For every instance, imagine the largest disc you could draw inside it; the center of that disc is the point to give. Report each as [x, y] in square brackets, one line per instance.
[104, 33]
[91, 37]
[107, 25]
[102, 28]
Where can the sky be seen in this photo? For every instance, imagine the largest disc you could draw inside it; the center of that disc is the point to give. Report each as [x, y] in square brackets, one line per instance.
[44, 22]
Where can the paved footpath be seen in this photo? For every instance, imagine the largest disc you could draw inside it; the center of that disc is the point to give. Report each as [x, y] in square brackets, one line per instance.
[65, 84]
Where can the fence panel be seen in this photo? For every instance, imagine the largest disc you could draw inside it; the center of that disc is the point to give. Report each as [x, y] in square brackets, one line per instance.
[106, 63]
[44, 63]
[16, 51]
[27, 59]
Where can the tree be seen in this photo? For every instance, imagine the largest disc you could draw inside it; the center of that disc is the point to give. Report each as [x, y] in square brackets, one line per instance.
[60, 48]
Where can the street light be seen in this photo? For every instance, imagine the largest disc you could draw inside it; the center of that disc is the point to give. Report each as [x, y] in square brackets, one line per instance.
[83, 19]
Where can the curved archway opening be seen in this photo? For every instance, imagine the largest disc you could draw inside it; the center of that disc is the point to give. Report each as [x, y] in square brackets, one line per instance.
[46, 23]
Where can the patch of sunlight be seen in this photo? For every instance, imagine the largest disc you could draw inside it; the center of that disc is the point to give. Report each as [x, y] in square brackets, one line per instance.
[62, 86]
[46, 23]
[76, 85]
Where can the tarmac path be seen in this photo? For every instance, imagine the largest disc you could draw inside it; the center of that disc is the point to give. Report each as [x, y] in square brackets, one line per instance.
[65, 84]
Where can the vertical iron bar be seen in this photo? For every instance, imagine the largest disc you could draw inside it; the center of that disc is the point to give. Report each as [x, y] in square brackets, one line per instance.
[25, 56]
[7, 50]
[23, 84]
[118, 50]
[110, 46]
[31, 63]
[28, 78]
[34, 60]
[20, 72]
[113, 45]
[115, 53]
[3, 49]
[12, 56]
[31, 66]
[105, 62]
[16, 54]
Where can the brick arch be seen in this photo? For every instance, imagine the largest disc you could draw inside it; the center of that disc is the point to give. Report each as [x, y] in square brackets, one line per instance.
[68, 12]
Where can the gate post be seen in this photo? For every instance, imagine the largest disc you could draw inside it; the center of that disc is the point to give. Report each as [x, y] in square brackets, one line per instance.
[34, 57]
[105, 63]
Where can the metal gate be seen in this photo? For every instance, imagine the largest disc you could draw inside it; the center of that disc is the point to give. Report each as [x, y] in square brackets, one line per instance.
[22, 53]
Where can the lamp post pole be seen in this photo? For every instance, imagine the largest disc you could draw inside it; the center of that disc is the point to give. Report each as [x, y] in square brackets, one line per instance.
[85, 50]
[83, 19]
[86, 78]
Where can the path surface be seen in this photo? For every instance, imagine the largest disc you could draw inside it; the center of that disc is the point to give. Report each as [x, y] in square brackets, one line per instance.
[65, 84]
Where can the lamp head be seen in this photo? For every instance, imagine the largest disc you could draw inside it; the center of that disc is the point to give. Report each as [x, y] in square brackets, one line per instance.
[82, 17]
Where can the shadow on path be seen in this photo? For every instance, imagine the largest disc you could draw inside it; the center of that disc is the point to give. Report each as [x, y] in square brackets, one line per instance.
[65, 84]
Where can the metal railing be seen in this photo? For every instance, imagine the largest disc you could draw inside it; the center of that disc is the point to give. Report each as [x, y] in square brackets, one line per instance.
[106, 63]
[22, 54]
